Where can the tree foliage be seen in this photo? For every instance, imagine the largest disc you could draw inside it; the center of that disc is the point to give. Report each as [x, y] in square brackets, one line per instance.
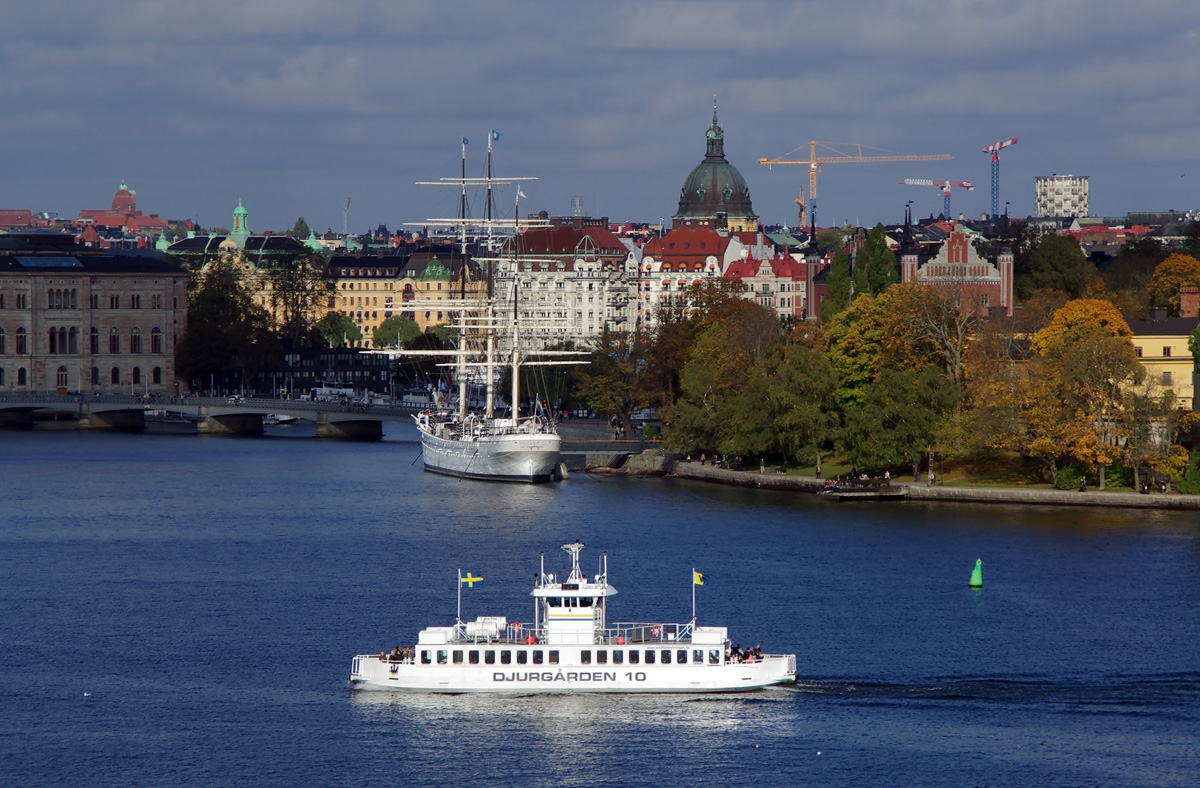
[837, 287]
[874, 264]
[227, 330]
[299, 291]
[1171, 274]
[395, 331]
[338, 330]
[1059, 263]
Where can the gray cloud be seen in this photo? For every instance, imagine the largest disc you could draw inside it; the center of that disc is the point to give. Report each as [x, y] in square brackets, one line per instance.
[292, 105]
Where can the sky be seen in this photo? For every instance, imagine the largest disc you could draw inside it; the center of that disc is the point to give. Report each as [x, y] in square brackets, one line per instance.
[292, 106]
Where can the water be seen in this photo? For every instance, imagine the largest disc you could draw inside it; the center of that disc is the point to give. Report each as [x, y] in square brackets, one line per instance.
[177, 610]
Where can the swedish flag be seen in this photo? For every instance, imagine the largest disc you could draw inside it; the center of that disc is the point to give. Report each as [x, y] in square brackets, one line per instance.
[495, 135]
[699, 579]
[469, 580]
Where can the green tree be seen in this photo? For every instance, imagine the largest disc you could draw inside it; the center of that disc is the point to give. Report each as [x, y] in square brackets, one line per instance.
[1058, 262]
[837, 287]
[897, 420]
[854, 345]
[338, 330]
[301, 230]
[874, 264]
[614, 382]
[395, 331]
[801, 401]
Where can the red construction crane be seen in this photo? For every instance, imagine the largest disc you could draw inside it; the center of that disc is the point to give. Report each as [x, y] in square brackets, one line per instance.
[995, 149]
[945, 186]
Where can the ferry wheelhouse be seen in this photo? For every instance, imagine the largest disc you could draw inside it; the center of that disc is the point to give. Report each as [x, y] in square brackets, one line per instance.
[571, 647]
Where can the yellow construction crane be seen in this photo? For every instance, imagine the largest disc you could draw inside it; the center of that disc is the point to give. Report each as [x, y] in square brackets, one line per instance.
[842, 156]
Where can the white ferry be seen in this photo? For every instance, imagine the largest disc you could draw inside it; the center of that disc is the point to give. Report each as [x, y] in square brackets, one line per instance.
[570, 647]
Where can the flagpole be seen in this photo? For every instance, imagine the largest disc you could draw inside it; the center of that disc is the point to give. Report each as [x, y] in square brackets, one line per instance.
[693, 596]
[458, 615]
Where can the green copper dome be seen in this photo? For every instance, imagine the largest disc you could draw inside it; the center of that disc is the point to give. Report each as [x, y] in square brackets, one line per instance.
[715, 190]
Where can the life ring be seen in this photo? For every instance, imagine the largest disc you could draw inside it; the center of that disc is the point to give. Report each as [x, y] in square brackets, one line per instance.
[516, 626]
[655, 631]
[530, 640]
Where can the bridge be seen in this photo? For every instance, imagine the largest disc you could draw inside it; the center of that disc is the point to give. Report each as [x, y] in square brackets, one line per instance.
[213, 415]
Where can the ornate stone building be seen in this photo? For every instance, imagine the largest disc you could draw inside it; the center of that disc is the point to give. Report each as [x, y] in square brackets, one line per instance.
[77, 319]
[958, 270]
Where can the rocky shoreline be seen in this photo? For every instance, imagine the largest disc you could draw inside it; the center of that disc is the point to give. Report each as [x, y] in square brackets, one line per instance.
[653, 463]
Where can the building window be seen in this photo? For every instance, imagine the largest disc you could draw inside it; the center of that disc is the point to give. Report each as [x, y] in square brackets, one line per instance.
[156, 376]
[115, 376]
[1137, 351]
[135, 301]
[1167, 352]
[95, 341]
[135, 340]
[73, 341]
[1166, 379]
[1, 376]
[22, 302]
[114, 342]
[155, 341]
[3, 348]
[114, 301]
[21, 379]
[137, 374]
[95, 300]
[95, 376]
[60, 377]
[22, 342]
[52, 335]
[983, 299]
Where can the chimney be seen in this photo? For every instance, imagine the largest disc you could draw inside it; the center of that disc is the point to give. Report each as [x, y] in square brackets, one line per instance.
[1189, 301]
[1158, 314]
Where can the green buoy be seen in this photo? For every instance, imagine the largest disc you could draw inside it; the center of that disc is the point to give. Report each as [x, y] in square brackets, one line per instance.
[977, 574]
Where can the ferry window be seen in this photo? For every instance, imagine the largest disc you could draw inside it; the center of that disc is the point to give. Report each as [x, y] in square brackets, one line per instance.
[665, 658]
[473, 657]
[537, 657]
[505, 657]
[649, 656]
[489, 657]
[585, 602]
[553, 657]
[522, 657]
[618, 656]
[585, 657]
[426, 657]
[441, 657]
[633, 656]
[457, 657]
[681, 656]
[555, 601]
[601, 657]
[698, 656]
[714, 657]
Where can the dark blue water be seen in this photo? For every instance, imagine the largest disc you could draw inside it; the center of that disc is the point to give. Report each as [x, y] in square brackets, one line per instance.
[177, 610]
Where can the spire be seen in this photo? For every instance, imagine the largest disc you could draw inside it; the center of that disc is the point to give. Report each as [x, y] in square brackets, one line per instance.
[714, 109]
[715, 136]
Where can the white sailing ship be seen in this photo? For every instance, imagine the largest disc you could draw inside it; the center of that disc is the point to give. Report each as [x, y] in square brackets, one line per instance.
[456, 442]
[571, 647]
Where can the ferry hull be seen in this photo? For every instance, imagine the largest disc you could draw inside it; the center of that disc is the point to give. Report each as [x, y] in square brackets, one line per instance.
[370, 673]
[532, 458]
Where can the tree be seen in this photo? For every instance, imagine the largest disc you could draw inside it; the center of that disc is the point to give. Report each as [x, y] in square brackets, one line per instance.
[837, 287]
[874, 264]
[1077, 320]
[227, 331]
[831, 239]
[1058, 262]
[854, 344]
[897, 420]
[613, 383]
[1171, 274]
[338, 329]
[301, 230]
[298, 291]
[395, 331]
[800, 400]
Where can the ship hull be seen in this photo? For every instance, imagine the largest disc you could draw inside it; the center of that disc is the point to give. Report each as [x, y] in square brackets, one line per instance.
[515, 457]
[371, 673]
